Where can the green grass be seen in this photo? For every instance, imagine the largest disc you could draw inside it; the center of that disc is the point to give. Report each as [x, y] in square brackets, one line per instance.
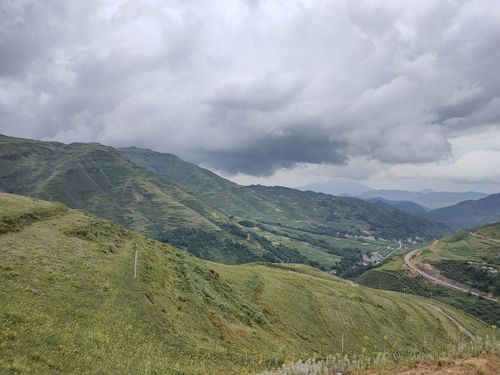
[98, 179]
[342, 243]
[290, 207]
[490, 231]
[22, 212]
[391, 276]
[314, 253]
[469, 259]
[159, 194]
[69, 304]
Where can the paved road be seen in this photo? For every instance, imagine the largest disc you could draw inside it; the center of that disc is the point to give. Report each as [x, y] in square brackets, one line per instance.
[393, 251]
[408, 258]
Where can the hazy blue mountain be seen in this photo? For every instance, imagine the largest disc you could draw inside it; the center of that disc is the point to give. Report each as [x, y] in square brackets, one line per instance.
[337, 186]
[468, 214]
[427, 198]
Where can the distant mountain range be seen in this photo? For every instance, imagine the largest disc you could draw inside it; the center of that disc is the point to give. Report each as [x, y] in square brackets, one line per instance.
[470, 213]
[427, 198]
[338, 187]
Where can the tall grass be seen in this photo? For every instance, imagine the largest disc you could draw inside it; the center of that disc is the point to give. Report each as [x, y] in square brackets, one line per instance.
[343, 363]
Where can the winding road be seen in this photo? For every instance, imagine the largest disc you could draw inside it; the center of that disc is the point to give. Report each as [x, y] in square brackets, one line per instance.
[393, 251]
[408, 261]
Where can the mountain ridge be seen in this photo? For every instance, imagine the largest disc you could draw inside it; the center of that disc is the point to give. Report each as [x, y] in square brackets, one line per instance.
[407, 206]
[180, 203]
[469, 214]
[270, 207]
[426, 198]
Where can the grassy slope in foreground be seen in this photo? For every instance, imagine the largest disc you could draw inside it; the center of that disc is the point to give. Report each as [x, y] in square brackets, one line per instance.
[472, 258]
[69, 304]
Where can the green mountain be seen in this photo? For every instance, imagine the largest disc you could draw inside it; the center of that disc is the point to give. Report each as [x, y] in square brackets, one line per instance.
[469, 214]
[69, 303]
[304, 210]
[97, 178]
[182, 204]
[339, 215]
[225, 195]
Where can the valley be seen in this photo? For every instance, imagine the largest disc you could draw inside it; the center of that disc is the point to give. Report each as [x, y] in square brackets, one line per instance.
[182, 314]
[249, 187]
[180, 203]
[267, 271]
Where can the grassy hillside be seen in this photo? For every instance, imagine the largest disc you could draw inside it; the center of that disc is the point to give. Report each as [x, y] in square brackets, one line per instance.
[206, 220]
[472, 258]
[227, 196]
[290, 207]
[392, 276]
[469, 214]
[328, 214]
[69, 304]
[97, 178]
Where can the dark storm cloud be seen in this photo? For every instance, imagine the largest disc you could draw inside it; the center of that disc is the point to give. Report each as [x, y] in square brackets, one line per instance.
[254, 86]
[263, 156]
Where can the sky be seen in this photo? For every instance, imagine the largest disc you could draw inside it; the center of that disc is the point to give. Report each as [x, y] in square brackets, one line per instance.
[394, 94]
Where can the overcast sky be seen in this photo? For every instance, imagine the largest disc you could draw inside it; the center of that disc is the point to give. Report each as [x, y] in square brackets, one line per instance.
[402, 94]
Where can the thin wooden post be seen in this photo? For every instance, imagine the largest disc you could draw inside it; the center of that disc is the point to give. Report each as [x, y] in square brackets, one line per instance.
[135, 265]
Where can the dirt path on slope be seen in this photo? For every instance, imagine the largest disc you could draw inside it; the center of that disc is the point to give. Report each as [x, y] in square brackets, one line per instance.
[460, 327]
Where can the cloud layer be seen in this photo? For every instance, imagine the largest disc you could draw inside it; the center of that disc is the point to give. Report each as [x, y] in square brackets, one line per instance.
[254, 87]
